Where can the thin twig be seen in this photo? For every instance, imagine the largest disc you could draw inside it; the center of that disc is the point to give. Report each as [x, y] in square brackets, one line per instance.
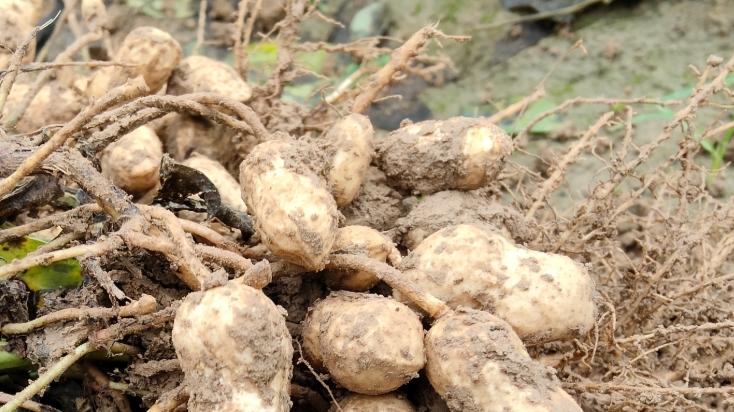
[433, 306]
[316, 376]
[35, 67]
[608, 387]
[44, 77]
[248, 35]
[573, 153]
[660, 331]
[81, 213]
[51, 374]
[95, 249]
[143, 306]
[29, 405]
[14, 66]
[201, 27]
[519, 106]
[398, 62]
[239, 28]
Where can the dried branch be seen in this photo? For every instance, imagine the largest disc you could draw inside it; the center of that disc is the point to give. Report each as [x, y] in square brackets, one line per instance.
[398, 62]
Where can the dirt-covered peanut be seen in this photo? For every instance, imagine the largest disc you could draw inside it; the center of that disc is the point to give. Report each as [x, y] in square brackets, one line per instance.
[227, 186]
[234, 349]
[477, 363]
[293, 211]
[196, 74]
[458, 153]
[389, 402]
[154, 54]
[26, 11]
[348, 148]
[453, 207]
[544, 296]
[55, 103]
[133, 162]
[17, 18]
[360, 240]
[369, 344]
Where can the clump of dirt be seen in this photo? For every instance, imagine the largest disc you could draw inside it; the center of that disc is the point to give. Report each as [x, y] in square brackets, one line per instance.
[451, 207]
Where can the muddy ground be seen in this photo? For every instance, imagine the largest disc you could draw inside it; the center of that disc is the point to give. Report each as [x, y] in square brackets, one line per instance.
[620, 181]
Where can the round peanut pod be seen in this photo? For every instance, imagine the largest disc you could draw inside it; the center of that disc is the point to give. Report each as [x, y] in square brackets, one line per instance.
[348, 147]
[458, 153]
[133, 162]
[201, 74]
[54, 103]
[234, 349]
[27, 12]
[360, 240]
[154, 54]
[16, 23]
[369, 344]
[544, 296]
[477, 363]
[227, 186]
[293, 212]
[389, 402]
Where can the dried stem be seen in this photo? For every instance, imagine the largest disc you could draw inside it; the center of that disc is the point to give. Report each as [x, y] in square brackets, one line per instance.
[171, 400]
[143, 306]
[14, 66]
[118, 95]
[239, 28]
[97, 340]
[95, 249]
[211, 236]
[81, 213]
[44, 77]
[519, 106]
[201, 27]
[608, 387]
[573, 153]
[51, 374]
[35, 67]
[398, 62]
[29, 405]
[433, 306]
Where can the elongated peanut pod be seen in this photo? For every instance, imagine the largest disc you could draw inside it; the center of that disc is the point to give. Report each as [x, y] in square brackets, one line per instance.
[154, 54]
[349, 149]
[235, 350]
[458, 153]
[477, 363]
[544, 296]
[294, 213]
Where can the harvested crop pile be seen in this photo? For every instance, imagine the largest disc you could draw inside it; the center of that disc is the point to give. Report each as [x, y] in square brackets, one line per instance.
[179, 233]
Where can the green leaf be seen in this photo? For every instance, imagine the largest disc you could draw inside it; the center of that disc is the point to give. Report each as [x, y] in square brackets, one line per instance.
[9, 360]
[708, 145]
[314, 61]
[63, 274]
[545, 126]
